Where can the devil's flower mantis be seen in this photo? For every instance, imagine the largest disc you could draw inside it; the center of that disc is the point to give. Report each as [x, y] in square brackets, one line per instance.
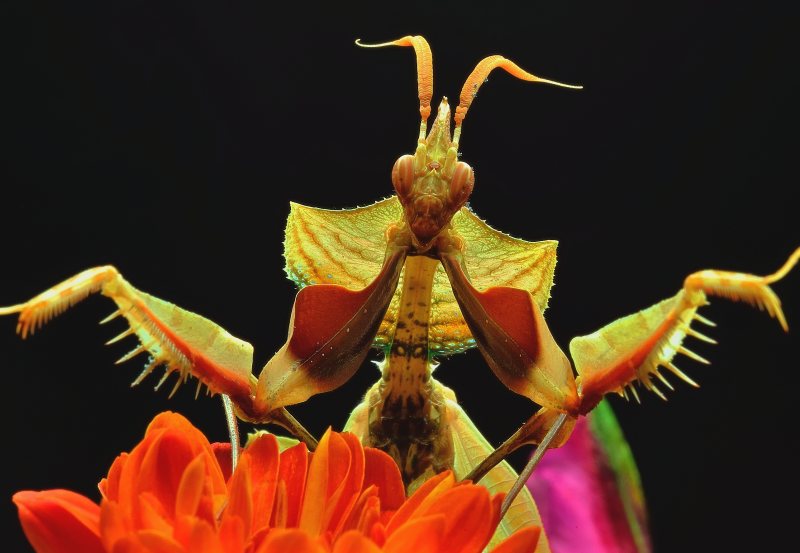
[419, 276]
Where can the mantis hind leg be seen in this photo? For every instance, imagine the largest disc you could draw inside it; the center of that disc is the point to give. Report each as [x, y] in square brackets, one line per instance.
[470, 448]
[535, 431]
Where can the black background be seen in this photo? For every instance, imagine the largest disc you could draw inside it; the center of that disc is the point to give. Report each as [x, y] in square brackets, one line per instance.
[168, 139]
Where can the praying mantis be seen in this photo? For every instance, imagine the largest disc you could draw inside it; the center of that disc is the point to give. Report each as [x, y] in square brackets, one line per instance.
[418, 276]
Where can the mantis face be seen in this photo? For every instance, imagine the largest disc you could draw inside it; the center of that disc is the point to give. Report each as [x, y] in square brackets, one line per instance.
[432, 185]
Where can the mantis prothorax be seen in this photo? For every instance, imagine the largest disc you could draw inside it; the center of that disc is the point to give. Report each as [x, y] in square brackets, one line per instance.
[418, 276]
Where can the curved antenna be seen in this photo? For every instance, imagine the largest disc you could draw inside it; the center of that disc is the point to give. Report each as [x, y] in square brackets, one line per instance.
[424, 73]
[780, 273]
[478, 77]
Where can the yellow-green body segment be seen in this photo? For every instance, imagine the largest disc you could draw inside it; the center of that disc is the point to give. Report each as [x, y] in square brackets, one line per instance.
[407, 409]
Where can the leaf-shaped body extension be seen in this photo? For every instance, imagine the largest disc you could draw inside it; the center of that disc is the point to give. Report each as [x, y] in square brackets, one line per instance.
[470, 449]
[346, 247]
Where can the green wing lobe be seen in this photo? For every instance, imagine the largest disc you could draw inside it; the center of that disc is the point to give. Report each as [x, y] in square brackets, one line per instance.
[346, 247]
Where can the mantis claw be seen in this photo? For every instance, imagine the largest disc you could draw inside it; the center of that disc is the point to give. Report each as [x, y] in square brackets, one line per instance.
[634, 347]
[108, 319]
[752, 289]
[182, 341]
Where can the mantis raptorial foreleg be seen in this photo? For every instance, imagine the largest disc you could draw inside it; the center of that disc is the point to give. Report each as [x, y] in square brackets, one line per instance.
[185, 343]
[513, 337]
[331, 331]
[634, 348]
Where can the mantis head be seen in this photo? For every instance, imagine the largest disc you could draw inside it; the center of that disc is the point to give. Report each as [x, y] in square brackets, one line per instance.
[432, 184]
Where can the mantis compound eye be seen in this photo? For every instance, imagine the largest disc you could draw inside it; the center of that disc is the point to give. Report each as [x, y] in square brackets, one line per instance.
[461, 184]
[403, 175]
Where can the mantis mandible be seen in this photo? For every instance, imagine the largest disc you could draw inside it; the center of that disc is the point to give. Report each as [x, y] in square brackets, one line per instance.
[418, 276]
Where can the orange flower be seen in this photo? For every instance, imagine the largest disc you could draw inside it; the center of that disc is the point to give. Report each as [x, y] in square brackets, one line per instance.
[173, 493]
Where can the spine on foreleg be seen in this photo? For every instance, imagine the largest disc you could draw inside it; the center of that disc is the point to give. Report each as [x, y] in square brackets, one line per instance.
[633, 348]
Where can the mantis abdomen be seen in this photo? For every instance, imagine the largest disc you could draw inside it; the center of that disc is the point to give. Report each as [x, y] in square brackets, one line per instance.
[406, 407]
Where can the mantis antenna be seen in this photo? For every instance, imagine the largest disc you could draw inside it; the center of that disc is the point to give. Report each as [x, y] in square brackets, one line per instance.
[424, 74]
[478, 77]
[470, 88]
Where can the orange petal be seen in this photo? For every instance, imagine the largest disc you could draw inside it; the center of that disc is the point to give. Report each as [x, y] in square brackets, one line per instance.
[378, 533]
[341, 502]
[292, 473]
[468, 512]
[168, 419]
[317, 486]
[497, 503]
[130, 544]
[109, 486]
[354, 542]
[150, 514]
[521, 541]
[381, 470]
[422, 535]
[240, 495]
[159, 542]
[280, 510]
[122, 477]
[115, 525]
[421, 498]
[126, 480]
[190, 488]
[56, 521]
[326, 473]
[197, 535]
[291, 540]
[265, 458]
[198, 442]
[368, 501]
[370, 516]
[157, 463]
[204, 538]
[163, 466]
[222, 451]
[231, 535]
